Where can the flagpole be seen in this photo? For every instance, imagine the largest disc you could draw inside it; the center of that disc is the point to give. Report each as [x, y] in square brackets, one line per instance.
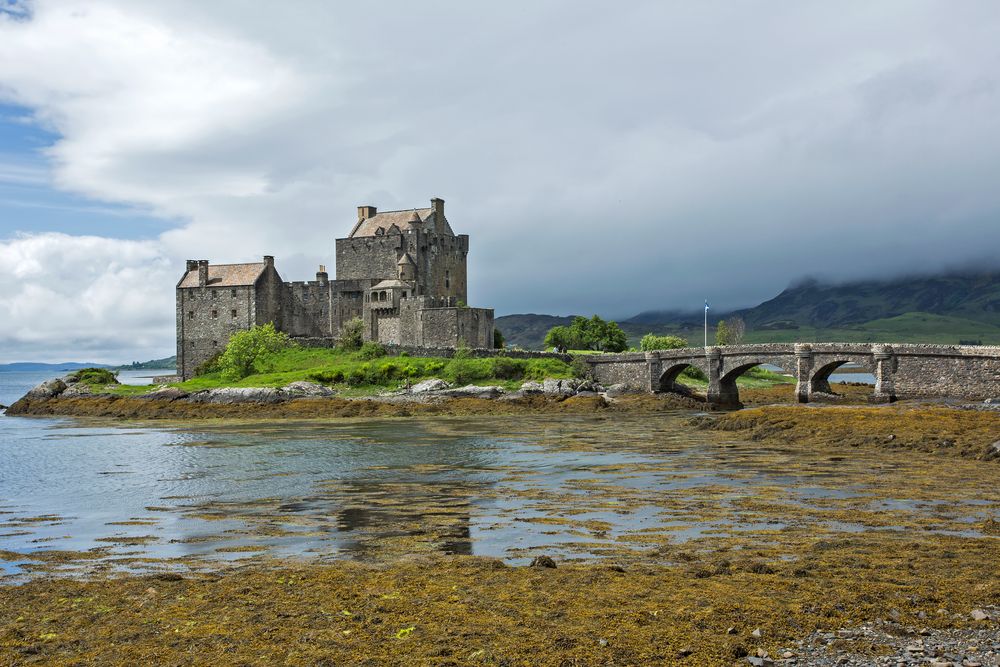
[706, 324]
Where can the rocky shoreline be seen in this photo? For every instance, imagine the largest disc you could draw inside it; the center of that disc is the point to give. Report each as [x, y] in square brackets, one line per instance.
[69, 397]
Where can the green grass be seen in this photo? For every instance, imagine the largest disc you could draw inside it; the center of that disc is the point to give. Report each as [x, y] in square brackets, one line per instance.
[353, 374]
[753, 378]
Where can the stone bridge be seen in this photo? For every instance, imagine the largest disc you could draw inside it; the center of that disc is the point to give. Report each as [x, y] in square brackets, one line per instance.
[901, 371]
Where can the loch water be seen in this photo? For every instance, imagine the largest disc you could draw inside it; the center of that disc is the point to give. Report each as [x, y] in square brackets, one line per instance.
[573, 486]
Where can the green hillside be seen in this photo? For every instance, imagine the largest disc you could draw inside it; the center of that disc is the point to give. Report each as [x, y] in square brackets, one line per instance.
[937, 309]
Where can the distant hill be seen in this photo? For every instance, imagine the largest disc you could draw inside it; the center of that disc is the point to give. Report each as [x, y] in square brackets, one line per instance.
[37, 366]
[952, 308]
[167, 363]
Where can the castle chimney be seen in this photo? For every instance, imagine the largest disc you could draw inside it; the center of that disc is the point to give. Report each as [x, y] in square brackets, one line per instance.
[192, 265]
[322, 277]
[365, 212]
[269, 261]
[202, 272]
[437, 205]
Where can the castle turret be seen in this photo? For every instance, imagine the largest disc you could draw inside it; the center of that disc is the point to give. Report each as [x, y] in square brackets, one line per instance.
[406, 268]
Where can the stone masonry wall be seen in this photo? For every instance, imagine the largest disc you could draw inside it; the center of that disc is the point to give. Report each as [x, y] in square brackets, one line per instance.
[207, 317]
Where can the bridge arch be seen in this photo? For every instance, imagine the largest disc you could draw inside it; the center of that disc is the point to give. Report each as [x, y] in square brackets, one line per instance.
[727, 393]
[671, 373]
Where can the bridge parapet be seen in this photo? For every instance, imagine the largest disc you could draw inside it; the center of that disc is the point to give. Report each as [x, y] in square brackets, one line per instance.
[900, 370]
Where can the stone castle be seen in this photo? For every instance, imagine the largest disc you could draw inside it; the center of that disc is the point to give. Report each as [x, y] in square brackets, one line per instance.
[402, 272]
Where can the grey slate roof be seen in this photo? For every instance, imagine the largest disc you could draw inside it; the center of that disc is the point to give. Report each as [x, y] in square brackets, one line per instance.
[414, 218]
[226, 275]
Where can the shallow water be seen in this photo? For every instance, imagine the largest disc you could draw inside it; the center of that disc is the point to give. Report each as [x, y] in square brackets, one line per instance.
[510, 487]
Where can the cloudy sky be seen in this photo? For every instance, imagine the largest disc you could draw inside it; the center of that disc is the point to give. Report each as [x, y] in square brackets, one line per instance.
[604, 157]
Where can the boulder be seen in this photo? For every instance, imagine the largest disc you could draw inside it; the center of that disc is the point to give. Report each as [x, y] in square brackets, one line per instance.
[77, 389]
[617, 390]
[473, 391]
[432, 384]
[554, 387]
[236, 395]
[165, 394]
[303, 389]
[586, 394]
[532, 388]
[47, 389]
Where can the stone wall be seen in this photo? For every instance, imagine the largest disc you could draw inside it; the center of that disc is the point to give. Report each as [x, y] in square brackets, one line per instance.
[206, 318]
[443, 352]
[369, 257]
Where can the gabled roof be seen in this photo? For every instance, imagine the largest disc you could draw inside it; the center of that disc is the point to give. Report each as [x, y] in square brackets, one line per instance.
[405, 259]
[388, 284]
[380, 223]
[226, 275]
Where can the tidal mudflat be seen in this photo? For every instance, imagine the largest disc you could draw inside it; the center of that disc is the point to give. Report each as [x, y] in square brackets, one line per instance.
[408, 540]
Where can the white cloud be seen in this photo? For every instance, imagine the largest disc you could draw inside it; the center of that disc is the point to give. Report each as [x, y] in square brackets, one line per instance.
[603, 158]
[73, 297]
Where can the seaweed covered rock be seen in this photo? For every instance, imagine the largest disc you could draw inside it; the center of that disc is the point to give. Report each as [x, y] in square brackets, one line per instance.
[234, 395]
[47, 389]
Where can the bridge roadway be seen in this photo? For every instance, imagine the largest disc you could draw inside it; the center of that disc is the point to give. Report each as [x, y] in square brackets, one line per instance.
[900, 370]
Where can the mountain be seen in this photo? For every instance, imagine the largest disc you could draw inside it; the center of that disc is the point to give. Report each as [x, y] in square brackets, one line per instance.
[37, 366]
[167, 363]
[948, 308]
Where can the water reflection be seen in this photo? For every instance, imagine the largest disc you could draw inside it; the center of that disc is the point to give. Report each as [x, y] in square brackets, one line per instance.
[571, 486]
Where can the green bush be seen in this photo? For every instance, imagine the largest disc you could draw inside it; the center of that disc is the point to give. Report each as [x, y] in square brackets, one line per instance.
[96, 376]
[372, 350]
[433, 367]
[651, 342]
[499, 342]
[694, 373]
[210, 365]
[248, 348]
[504, 368]
[580, 368]
[352, 334]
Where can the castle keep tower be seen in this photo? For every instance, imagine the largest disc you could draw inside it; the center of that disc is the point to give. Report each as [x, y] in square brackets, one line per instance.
[402, 272]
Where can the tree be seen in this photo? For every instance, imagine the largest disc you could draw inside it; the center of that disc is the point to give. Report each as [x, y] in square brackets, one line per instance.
[737, 328]
[352, 334]
[245, 348]
[652, 342]
[562, 338]
[722, 335]
[597, 334]
[499, 342]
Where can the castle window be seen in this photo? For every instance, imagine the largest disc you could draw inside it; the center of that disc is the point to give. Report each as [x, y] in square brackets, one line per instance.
[215, 314]
[190, 314]
[233, 293]
[447, 279]
[215, 294]
[233, 313]
[215, 343]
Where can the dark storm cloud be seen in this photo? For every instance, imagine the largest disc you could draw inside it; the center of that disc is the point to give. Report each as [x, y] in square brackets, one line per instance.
[604, 158]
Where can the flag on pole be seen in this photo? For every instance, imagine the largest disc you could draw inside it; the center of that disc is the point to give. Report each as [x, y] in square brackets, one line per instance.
[706, 324]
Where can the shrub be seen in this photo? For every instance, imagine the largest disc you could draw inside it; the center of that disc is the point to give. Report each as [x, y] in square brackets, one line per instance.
[352, 334]
[372, 350]
[580, 368]
[651, 342]
[694, 373]
[96, 376]
[504, 368]
[499, 342]
[210, 365]
[434, 367]
[404, 354]
[246, 348]
[327, 377]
